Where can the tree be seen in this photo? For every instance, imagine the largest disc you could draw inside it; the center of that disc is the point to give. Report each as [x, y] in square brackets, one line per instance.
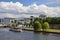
[20, 22]
[37, 26]
[46, 25]
[14, 25]
[38, 19]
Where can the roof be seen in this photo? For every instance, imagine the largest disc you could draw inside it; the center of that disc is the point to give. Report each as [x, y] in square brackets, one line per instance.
[42, 15]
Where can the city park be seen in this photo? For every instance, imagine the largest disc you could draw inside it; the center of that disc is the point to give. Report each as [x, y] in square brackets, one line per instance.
[42, 24]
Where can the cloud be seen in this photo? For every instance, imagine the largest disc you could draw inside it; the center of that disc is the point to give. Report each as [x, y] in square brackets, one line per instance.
[16, 10]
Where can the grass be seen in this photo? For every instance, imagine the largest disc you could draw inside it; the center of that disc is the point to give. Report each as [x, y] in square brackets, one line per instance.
[45, 30]
[53, 30]
[29, 29]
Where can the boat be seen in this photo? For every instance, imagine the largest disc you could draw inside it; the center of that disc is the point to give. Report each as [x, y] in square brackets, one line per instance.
[16, 29]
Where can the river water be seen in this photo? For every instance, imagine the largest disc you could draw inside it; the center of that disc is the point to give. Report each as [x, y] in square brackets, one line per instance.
[5, 34]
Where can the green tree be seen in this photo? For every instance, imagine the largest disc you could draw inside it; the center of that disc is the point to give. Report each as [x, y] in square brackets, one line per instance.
[20, 22]
[37, 26]
[38, 19]
[14, 25]
[46, 25]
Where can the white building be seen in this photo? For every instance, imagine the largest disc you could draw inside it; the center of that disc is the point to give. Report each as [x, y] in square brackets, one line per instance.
[8, 20]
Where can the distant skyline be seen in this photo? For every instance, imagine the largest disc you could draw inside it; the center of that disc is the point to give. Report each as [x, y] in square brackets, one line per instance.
[25, 8]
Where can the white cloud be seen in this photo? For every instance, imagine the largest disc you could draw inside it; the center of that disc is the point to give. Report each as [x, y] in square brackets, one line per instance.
[8, 15]
[10, 9]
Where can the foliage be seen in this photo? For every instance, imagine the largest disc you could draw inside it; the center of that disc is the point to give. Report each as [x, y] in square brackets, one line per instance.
[28, 21]
[14, 25]
[37, 26]
[45, 22]
[46, 25]
[38, 19]
[20, 22]
[53, 20]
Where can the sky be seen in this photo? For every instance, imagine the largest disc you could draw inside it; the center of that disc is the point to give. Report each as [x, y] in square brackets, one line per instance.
[26, 8]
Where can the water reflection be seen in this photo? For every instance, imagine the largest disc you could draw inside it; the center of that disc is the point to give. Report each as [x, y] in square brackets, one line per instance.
[5, 34]
[46, 36]
[40, 36]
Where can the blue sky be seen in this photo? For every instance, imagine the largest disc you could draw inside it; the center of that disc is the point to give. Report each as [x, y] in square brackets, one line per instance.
[52, 3]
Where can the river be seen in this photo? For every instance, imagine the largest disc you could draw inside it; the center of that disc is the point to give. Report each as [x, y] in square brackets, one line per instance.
[5, 34]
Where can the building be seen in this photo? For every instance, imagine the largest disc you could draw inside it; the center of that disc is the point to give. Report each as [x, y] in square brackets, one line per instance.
[8, 20]
[43, 16]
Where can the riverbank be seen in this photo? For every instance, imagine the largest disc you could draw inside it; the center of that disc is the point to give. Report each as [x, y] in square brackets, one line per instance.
[28, 29]
[52, 31]
[45, 30]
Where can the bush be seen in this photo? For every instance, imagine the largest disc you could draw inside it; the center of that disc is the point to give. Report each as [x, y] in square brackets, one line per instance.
[19, 22]
[37, 26]
[14, 25]
[46, 25]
